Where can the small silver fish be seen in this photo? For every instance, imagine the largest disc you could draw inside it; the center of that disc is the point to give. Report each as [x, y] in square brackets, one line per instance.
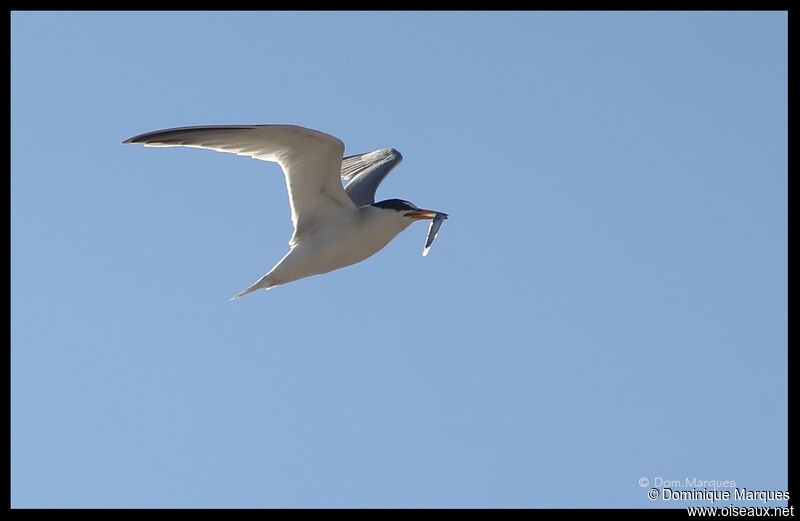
[433, 231]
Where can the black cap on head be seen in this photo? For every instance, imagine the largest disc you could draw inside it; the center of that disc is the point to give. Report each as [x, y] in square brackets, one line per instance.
[396, 204]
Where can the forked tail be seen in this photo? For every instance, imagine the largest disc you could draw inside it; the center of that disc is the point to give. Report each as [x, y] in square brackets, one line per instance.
[263, 282]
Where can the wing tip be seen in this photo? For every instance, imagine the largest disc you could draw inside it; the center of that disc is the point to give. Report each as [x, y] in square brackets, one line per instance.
[140, 138]
[391, 154]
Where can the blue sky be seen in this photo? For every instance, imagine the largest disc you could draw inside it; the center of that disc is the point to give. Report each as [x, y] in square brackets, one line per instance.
[607, 302]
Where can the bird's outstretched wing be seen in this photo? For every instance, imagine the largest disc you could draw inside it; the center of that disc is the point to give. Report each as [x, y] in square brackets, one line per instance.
[311, 162]
[366, 171]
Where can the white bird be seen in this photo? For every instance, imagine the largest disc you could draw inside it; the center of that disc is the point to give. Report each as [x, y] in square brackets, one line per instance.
[334, 226]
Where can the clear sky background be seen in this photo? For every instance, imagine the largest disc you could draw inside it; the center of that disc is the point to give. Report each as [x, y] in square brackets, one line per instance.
[607, 302]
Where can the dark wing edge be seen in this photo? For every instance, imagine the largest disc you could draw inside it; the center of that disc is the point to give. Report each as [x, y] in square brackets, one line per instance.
[182, 135]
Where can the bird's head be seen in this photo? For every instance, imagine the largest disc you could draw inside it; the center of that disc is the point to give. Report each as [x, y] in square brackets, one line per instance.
[405, 209]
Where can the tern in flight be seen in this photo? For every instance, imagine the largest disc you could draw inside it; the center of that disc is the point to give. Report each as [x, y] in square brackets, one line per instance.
[334, 226]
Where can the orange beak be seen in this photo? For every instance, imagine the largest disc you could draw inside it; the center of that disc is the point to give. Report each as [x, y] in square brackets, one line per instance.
[422, 214]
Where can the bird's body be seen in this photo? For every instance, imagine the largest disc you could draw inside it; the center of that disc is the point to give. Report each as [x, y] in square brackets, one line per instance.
[334, 226]
[346, 238]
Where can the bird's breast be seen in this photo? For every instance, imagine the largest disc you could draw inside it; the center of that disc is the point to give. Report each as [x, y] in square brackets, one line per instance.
[350, 238]
[345, 239]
